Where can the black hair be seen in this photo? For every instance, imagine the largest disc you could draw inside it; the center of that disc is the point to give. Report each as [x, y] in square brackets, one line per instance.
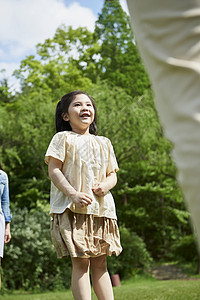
[62, 108]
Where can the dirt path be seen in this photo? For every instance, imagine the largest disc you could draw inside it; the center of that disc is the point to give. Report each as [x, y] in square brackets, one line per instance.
[167, 272]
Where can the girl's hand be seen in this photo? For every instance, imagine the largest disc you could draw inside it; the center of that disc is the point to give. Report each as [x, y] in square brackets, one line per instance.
[100, 189]
[81, 199]
[7, 236]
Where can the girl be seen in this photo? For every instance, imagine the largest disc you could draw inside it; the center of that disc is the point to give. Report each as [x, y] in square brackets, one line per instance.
[5, 216]
[82, 168]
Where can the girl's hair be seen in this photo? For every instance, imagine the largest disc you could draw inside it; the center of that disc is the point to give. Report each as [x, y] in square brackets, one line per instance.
[62, 108]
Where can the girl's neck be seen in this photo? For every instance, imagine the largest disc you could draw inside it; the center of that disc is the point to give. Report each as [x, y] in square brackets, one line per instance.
[81, 131]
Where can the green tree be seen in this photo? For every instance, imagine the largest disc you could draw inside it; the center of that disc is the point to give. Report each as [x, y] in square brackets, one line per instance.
[114, 55]
[75, 57]
[5, 93]
[27, 125]
[52, 69]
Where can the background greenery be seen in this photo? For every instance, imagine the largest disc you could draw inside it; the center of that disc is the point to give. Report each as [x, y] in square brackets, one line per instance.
[153, 222]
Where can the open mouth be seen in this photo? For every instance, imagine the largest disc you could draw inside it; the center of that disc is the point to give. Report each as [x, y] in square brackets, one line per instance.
[85, 115]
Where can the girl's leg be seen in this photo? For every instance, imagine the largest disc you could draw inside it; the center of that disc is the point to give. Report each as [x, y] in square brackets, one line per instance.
[101, 279]
[80, 279]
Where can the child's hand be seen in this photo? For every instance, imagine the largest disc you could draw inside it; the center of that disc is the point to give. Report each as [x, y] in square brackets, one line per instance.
[100, 189]
[81, 199]
[7, 236]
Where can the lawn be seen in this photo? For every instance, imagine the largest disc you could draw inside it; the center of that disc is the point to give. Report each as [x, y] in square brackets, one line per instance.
[144, 289]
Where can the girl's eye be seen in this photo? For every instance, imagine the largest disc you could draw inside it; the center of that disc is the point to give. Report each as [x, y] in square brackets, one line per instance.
[77, 104]
[89, 104]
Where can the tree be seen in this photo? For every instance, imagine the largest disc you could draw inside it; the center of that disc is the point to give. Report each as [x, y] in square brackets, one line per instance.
[75, 57]
[52, 69]
[114, 56]
[27, 125]
[5, 94]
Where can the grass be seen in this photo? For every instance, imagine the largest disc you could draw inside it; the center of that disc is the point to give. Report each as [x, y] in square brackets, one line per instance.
[142, 289]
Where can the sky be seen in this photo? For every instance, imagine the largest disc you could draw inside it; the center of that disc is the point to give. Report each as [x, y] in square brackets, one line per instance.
[25, 23]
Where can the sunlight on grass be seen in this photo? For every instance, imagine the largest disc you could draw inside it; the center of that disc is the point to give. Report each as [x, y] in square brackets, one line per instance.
[147, 289]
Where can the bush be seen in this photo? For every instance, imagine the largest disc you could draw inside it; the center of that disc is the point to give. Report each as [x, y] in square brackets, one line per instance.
[133, 258]
[185, 249]
[30, 261]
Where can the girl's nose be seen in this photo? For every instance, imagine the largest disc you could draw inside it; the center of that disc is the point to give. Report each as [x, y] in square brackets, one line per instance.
[84, 107]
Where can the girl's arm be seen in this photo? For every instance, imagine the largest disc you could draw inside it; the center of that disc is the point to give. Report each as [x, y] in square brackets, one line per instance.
[5, 201]
[102, 188]
[7, 236]
[5, 204]
[60, 181]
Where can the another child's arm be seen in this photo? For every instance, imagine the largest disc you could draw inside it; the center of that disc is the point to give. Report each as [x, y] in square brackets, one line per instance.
[102, 188]
[60, 181]
[7, 236]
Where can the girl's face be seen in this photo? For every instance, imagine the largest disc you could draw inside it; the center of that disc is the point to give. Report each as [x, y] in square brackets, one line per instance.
[80, 114]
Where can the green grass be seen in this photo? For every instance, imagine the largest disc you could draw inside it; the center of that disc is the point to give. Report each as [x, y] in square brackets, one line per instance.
[144, 289]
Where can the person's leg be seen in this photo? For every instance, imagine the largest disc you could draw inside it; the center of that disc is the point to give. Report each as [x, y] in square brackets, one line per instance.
[167, 33]
[100, 278]
[81, 288]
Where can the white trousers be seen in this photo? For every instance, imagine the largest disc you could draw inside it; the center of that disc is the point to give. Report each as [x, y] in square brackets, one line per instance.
[168, 37]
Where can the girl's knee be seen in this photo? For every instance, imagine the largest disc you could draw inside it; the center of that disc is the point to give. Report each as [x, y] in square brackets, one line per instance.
[81, 264]
[99, 262]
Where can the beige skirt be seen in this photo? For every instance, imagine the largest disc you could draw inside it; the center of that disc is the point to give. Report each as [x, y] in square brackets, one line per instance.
[81, 235]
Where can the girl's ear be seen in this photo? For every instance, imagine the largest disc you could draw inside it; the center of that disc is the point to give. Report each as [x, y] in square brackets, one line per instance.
[65, 117]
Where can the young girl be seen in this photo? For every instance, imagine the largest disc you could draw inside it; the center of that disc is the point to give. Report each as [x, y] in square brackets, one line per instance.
[82, 168]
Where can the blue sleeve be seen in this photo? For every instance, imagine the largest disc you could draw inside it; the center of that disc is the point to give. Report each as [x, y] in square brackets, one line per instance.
[5, 203]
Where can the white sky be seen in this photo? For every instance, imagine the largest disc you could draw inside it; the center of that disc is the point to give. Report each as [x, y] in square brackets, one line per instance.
[25, 23]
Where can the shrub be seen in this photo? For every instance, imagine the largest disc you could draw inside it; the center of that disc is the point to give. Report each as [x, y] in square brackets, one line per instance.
[30, 261]
[185, 249]
[133, 258]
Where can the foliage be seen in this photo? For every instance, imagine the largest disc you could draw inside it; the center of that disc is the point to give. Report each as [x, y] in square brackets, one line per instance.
[30, 260]
[112, 54]
[51, 70]
[119, 61]
[185, 249]
[5, 94]
[134, 257]
[27, 126]
[74, 58]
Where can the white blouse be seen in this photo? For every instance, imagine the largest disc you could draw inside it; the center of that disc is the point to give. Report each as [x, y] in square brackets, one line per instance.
[86, 159]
